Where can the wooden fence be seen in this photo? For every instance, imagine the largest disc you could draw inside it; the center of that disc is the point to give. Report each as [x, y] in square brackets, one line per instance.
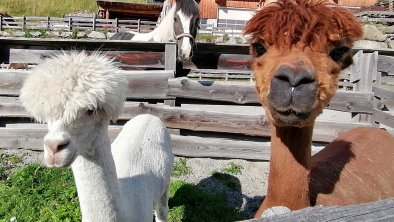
[71, 23]
[376, 16]
[207, 118]
[96, 24]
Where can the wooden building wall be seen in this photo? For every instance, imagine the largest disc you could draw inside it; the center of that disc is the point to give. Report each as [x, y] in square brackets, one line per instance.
[209, 8]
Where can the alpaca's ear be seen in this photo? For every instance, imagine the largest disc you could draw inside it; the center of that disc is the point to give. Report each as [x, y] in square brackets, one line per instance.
[347, 23]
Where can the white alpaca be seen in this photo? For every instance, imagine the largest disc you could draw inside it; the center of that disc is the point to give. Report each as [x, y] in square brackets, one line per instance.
[77, 95]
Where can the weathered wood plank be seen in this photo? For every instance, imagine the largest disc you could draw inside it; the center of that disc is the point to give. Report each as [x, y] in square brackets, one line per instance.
[11, 82]
[36, 55]
[386, 64]
[186, 88]
[197, 120]
[189, 146]
[386, 92]
[382, 211]
[200, 120]
[352, 102]
[383, 118]
[246, 94]
[142, 84]
[86, 44]
[31, 137]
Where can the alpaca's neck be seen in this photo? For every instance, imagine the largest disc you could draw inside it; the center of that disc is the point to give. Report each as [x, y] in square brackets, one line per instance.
[97, 184]
[288, 179]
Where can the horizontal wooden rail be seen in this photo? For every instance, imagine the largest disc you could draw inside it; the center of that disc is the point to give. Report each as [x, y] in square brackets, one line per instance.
[30, 136]
[385, 118]
[386, 92]
[142, 84]
[156, 85]
[197, 120]
[378, 211]
[246, 94]
[87, 44]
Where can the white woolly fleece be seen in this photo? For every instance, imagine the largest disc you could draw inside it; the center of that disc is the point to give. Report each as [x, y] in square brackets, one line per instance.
[67, 83]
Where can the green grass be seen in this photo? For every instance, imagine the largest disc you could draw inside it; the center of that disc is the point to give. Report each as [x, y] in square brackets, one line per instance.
[39, 194]
[34, 193]
[48, 7]
[233, 168]
[180, 168]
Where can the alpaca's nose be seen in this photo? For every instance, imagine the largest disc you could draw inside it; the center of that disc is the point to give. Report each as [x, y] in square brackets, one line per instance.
[293, 86]
[295, 76]
[56, 145]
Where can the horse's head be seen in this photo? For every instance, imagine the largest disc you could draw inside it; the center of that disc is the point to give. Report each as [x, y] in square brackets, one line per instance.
[186, 20]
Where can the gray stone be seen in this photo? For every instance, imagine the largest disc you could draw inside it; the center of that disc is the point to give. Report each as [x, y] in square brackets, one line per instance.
[232, 40]
[386, 29]
[391, 44]
[55, 34]
[35, 34]
[110, 34]
[370, 44]
[81, 35]
[19, 34]
[65, 34]
[220, 39]
[371, 32]
[96, 35]
[274, 211]
[5, 34]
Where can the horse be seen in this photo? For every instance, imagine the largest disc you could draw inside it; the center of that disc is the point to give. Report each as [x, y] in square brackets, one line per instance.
[179, 24]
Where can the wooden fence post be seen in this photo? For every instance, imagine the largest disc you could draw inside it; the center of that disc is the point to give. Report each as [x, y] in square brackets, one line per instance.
[363, 73]
[48, 23]
[170, 56]
[1, 23]
[116, 25]
[139, 25]
[94, 23]
[70, 24]
[24, 22]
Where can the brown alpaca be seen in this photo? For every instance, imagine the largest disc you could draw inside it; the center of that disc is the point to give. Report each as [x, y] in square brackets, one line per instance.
[299, 48]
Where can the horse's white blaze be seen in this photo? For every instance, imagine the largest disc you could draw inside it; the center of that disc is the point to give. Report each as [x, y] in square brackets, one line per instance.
[186, 46]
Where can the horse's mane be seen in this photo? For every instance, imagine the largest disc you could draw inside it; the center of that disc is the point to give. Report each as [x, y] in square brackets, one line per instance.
[165, 31]
[188, 7]
[288, 22]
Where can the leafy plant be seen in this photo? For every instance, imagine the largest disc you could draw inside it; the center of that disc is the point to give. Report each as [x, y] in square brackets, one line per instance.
[233, 168]
[74, 34]
[181, 168]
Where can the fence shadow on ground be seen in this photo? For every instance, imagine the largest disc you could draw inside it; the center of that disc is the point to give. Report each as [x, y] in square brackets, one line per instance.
[216, 198]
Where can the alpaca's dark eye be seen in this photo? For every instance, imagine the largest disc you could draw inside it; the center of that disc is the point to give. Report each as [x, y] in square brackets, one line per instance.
[259, 49]
[338, 53]
[90, 112]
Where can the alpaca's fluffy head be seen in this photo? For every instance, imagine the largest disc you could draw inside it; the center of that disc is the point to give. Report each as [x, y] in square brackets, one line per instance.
[299, 49]
[62, 86]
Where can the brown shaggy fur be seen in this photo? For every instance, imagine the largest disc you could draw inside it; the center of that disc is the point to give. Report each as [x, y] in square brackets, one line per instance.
[302, 35]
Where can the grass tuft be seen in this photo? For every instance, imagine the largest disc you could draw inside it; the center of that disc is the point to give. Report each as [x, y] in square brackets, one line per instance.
[181, 168]
[233, 168]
